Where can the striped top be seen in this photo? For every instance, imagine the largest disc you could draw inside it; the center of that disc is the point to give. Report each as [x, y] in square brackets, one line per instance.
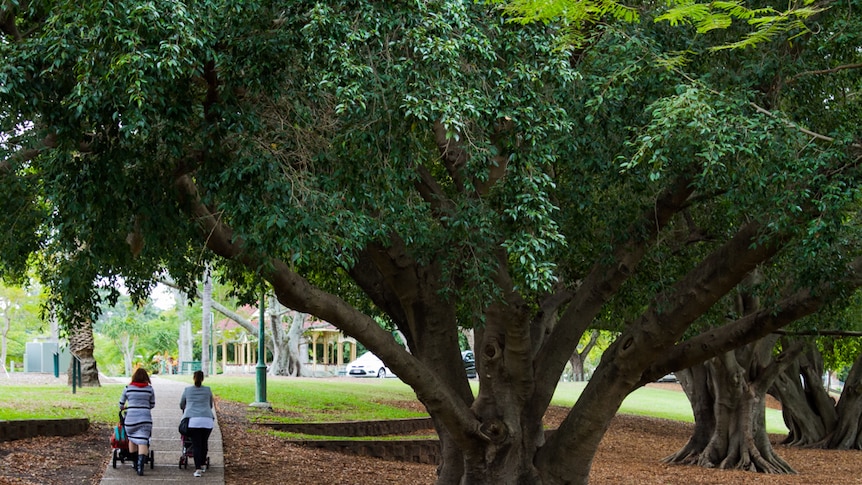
[138, 401]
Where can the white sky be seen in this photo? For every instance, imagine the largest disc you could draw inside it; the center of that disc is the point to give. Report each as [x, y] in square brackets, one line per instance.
[162, 297]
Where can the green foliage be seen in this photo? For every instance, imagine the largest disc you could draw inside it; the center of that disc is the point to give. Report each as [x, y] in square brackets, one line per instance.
[839, 353]
[580, 17]
[20, 308]
[136, 333]
[323, 116]
[471, 148]
[577, 17]
[768, 23]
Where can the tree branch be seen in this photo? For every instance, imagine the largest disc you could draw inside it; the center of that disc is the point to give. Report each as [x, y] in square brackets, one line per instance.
[294, 291]
[793, 78]
[792, 124]
[7, 21]
[501, 161]
[454, 157]
[431, 192]
[28, 154]
[749, 328]
[548, 316]
[594, 339]
[601, 284]
[369, 273]
[817, 333]
[236, 317]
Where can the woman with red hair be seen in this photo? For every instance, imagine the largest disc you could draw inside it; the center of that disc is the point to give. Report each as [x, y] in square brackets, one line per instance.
[138, 399]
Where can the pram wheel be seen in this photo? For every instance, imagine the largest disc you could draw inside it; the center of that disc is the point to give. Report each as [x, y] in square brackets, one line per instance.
[114, 460]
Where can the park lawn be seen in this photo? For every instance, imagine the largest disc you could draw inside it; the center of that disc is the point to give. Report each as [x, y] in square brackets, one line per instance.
[314, 400]
[658, 403]
[99, 404]
[322, 400]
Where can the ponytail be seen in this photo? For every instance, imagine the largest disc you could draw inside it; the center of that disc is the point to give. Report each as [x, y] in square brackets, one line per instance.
[199, 377]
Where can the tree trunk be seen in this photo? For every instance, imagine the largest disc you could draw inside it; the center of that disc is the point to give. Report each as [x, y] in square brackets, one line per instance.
[6, 326]
[577, 368]
[280, 355]
[695, 383]
[128, 352]
[578, 358]
[277, 340]
[206, 321]
[82, 344]
[809, 413]
[737, 438]
[185, 345]
[294, 337]
[55, 327]
[848, 430]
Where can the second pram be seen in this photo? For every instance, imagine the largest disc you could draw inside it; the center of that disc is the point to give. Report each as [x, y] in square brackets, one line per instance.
[188, 452]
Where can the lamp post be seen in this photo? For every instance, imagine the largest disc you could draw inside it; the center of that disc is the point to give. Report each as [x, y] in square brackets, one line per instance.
[260, 388]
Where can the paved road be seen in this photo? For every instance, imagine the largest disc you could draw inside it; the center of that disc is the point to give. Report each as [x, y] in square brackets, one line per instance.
[167, 445]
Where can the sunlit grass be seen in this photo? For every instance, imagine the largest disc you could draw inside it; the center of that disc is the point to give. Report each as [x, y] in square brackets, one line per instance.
[658, 403]
[312, 437]
[99, 404]
[321, 400]
[313, 400]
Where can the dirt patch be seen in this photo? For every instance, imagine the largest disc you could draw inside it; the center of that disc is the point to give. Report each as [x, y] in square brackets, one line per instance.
[50, 460]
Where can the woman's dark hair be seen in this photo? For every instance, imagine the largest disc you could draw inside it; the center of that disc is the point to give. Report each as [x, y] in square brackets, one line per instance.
[141, 375]
[199, 377]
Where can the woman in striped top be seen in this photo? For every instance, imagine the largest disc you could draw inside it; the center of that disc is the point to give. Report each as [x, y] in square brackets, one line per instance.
[138, 399]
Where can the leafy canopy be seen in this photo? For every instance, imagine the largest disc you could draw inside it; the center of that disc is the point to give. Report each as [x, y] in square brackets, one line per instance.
[764, 23]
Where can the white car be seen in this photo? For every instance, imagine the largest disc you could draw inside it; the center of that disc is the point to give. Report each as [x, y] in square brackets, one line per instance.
[368, 365]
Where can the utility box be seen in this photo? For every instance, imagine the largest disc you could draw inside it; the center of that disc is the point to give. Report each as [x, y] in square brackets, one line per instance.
[39, 357]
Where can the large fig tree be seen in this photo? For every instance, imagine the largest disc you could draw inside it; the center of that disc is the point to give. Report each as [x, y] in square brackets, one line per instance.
[434, 164]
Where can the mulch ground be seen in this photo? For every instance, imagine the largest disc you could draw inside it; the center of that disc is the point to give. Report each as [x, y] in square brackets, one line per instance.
[630, 453]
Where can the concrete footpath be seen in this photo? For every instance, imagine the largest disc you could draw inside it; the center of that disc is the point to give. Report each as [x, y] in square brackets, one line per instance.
[167, 445]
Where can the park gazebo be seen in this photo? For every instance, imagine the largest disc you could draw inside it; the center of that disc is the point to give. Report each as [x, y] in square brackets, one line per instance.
[331, 341]
[323, 347]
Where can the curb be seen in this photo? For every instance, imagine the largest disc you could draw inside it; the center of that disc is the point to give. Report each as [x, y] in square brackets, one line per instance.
[29, 428]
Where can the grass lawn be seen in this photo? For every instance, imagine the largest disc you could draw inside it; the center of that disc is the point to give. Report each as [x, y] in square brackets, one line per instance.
[659, 403]
[313, 400]
[100, 404]
[321, 400]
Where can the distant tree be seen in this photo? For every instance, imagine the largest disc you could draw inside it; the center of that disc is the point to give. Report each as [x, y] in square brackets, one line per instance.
[580, 356]
[126, 325]
[20, 319]
[15, 306]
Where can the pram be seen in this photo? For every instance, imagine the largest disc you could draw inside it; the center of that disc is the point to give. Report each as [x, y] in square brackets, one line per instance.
[120, 444]
[188, 452]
